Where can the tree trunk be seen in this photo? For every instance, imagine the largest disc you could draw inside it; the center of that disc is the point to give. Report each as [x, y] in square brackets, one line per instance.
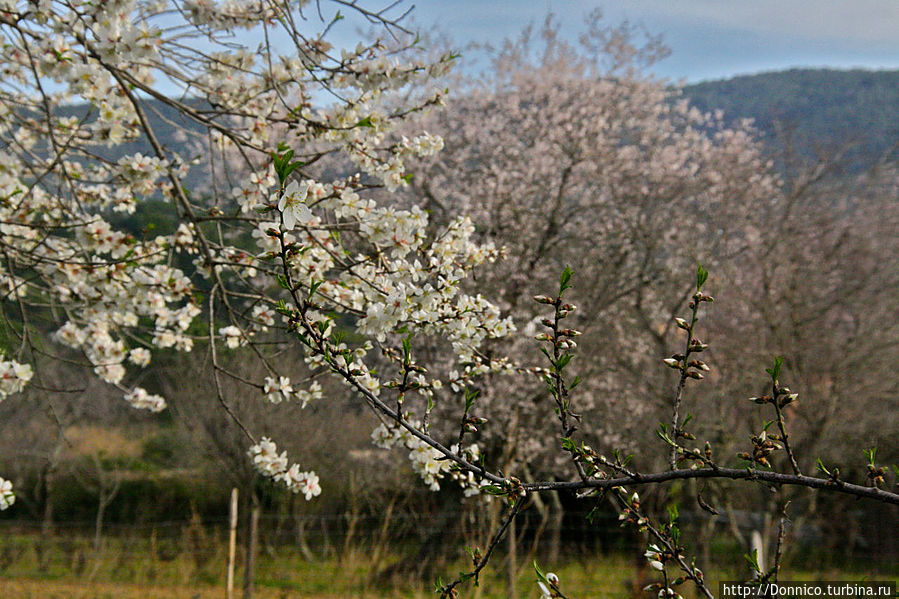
[98, 525]
[556, 515]
[46, 519]
[232, 543]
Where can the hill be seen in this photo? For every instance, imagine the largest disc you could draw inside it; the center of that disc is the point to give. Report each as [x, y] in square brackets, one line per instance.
[820, 111]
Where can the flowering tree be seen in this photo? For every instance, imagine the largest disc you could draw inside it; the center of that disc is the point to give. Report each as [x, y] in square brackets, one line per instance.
[281, 247]
[572, 156]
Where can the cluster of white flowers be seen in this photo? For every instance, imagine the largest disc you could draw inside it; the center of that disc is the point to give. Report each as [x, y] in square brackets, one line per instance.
[141, 172]
[654, 557]
[139, 356]
[270, 463]
[427, 462]
[13, 377]
[140, 399]
[123, 295]
[254, 189]
[279, 389]
[423, 145]
[230, 14]
[232, 336]
[7, 498]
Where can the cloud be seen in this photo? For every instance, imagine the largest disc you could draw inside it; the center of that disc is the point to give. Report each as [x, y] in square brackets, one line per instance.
[862, 21]
[708, 38]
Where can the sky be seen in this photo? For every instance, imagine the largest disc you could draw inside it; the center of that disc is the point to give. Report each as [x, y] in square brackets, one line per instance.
[709, 39]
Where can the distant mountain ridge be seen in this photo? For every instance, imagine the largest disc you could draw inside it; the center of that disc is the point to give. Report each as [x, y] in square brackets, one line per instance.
[821, 110]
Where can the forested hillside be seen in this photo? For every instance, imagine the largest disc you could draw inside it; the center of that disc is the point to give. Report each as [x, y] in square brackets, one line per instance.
[819, 111]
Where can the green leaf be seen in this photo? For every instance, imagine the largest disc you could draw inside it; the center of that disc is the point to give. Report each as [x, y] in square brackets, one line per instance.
[565, 279]
[366, 122]
[775, 372]
[407, 348]
[702, 276]
[550, 385]
[753, 559]
[292, 167]
[662, 434]
[313, 287]
[282, 282]
[672, 513]
[870, 454]
[675, 534]
[470, 396]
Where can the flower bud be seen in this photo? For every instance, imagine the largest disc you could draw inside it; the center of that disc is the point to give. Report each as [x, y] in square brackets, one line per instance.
[681, 323]
[672, 363]
[543, 299]
[788, 399]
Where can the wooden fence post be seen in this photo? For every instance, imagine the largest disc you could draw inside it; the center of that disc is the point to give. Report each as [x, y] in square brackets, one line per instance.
[232, 542]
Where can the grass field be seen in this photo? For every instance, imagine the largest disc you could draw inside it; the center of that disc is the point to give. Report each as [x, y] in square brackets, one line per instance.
[183, 569]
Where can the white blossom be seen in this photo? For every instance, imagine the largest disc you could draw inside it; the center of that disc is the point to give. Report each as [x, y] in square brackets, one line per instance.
[7, 498]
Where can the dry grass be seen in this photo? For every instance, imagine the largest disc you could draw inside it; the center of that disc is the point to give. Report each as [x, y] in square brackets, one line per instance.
[93, 440]
[58, 589]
